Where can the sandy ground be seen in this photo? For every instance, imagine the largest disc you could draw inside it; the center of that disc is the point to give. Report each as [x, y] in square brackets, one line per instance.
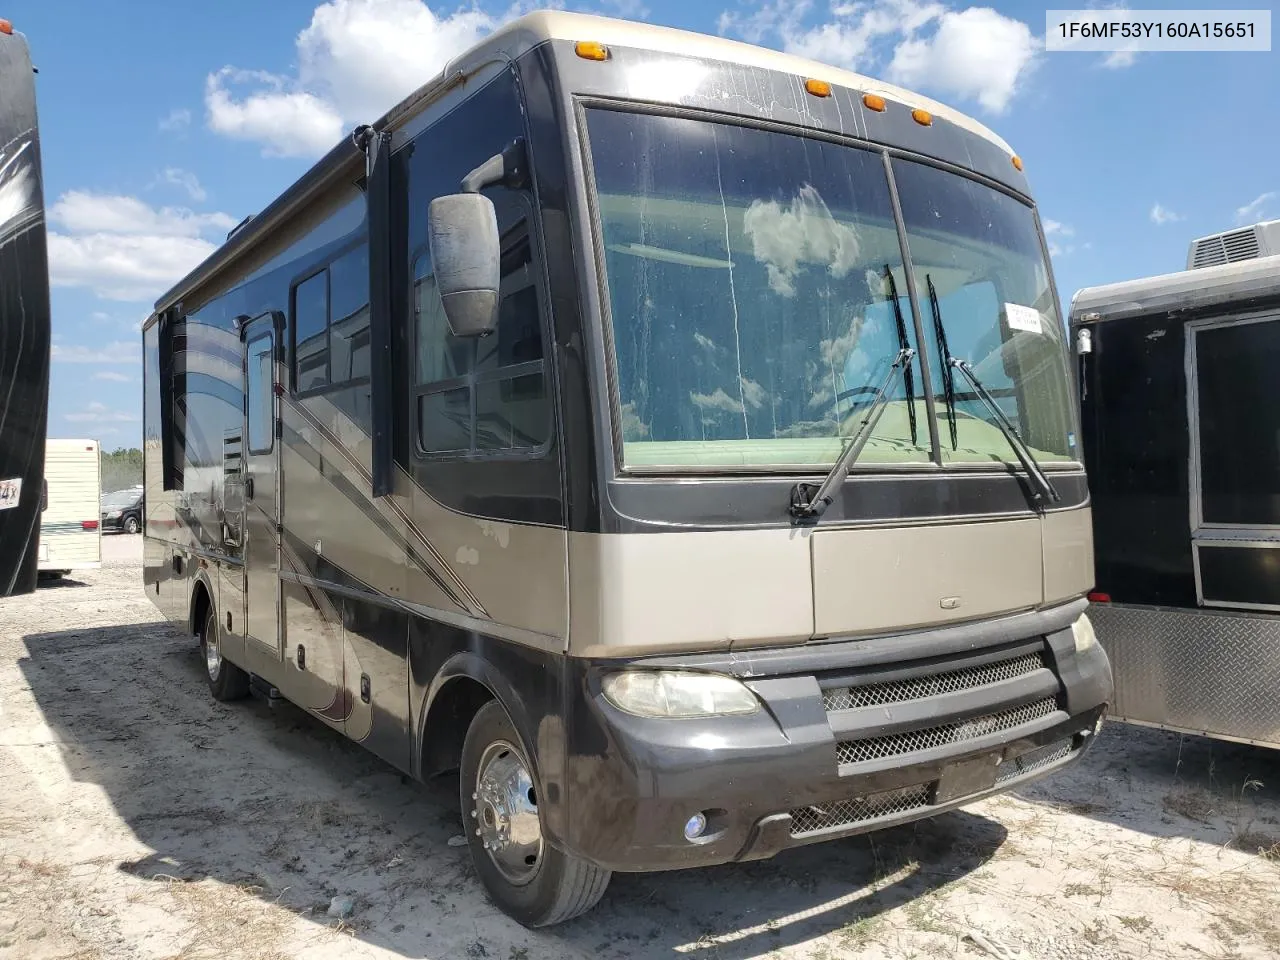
[139, 819]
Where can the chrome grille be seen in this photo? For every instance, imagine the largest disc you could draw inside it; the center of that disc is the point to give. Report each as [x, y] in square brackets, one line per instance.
[844, 813]
[918, 688]
[892, 745]
[1033, 760]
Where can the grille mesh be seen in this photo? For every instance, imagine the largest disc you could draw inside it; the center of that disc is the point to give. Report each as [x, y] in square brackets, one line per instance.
[845, 813]
[876, 748]
[918, 688]
[1034, 760]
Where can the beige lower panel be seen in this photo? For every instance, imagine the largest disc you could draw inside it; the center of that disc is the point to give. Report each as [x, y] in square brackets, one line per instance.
[894, 578]
[670, 591]
[1068, 554]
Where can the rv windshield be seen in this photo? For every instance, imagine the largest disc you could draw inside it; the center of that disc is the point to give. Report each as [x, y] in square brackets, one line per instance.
[751, 276]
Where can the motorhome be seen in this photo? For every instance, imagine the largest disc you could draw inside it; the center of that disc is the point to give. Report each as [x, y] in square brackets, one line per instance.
[673, 437]
[1179, 428]
[70, 531]
[24, 318]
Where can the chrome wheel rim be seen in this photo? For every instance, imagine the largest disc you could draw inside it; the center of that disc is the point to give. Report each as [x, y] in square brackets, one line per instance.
[504, 813]
[212, 652]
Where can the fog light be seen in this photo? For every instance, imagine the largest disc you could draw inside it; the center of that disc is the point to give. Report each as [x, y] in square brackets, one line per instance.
[695, 827]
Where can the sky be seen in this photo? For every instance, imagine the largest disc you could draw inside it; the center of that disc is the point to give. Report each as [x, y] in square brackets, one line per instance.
[164, 124]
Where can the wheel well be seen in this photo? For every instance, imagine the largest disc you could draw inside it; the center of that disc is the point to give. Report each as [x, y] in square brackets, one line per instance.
[200, 604]
[451, 713]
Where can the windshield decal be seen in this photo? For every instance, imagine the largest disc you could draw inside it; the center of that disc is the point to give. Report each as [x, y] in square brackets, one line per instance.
[1023, 318]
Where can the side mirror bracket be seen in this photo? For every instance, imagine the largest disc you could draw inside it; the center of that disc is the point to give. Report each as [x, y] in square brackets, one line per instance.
[462, 229]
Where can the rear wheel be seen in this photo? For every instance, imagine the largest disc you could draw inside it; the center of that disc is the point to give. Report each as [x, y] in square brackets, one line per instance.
[525, 876]
[226, 680]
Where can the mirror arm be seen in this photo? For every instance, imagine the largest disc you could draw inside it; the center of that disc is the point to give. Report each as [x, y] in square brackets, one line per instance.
[508, 168]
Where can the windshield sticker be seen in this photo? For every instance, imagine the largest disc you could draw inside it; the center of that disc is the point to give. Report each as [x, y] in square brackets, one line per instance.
[1023, 318]
[10, 493]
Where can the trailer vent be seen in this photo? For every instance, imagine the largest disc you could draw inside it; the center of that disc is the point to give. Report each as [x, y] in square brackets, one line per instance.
[1247, 243]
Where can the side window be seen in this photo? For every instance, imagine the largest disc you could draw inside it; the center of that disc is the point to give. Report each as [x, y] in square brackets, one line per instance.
[310, 317]
[260, 394]
[484, 395]
[349, 316]
[331, 323]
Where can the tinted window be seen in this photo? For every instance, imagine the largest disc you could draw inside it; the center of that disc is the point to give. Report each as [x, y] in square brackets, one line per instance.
[259, 395]
[349, 316]
[310, 317]
[489, 393]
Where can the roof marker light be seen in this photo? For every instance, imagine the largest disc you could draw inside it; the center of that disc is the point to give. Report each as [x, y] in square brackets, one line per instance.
[590, 50]
[922, 117]
[819, 88]
[873, 102]
[6, 27]
[1017, 162]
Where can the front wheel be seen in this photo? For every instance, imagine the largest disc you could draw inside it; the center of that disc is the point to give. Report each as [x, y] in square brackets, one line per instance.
[524, 875]
[226, 680]
[131, 525]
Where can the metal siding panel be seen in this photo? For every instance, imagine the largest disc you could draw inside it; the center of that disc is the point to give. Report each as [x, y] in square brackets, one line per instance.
[1212, 673]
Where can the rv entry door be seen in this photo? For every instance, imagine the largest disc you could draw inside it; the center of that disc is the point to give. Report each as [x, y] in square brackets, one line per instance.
[262, 483]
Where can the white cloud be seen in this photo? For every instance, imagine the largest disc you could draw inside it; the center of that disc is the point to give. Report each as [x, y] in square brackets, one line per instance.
[97, 412]
[1253, 211]
[116, 352]
[1058, 235]
[122, 248]
[179, 118]
[80, 211]
[286, 123]
[973, 53]
[112, 376]
[1120, 59]
[1161, 215]
[356, 59]
[977, 54]
[184, 180]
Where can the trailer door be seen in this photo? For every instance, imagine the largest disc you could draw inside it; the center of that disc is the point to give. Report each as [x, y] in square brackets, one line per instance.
[1232, 369]
[262, 483]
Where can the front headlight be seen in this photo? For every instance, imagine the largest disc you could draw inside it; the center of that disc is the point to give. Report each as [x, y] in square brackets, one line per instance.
[1082, 630]
[674, 693]
[114, 514]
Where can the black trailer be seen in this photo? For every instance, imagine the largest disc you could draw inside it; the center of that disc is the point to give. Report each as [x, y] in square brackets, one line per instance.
[24, 319]
[1181, 434]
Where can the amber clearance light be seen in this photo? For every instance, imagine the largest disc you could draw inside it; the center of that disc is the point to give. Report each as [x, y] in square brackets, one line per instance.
[1017, 162]
[819, 88]
[6, 27]
[922, 117]
[873, 102]
[590, 50]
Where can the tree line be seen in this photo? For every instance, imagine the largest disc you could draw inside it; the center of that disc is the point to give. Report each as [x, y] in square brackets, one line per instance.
[121, 469]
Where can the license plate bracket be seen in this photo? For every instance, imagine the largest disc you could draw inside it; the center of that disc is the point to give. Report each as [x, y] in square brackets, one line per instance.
[966, 778]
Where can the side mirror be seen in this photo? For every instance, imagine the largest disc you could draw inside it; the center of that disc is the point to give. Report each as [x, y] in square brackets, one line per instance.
[462, 229]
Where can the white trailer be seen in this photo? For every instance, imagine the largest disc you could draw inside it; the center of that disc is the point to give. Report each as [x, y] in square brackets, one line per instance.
[70, 538]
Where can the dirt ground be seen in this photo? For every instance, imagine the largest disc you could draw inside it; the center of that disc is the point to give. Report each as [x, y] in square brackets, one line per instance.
[140, 819]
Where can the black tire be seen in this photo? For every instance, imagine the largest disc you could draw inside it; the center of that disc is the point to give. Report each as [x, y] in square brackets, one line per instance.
[563, 885]
[226, 682]
[131, 524]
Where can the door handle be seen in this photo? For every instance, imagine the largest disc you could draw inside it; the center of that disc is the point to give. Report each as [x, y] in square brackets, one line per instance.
[248, 488]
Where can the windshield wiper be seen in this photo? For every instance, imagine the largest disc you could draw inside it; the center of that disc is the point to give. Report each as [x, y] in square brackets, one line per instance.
[948, 377]
[1029, 463]
[808, 502]
[908, 378]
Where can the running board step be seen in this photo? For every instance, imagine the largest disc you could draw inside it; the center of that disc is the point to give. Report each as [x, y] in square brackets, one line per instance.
[264, 689]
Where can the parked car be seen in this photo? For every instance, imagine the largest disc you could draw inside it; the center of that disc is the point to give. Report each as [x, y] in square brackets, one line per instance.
[124, 510]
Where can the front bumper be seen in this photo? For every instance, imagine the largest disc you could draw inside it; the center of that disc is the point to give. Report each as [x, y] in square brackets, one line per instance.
[854, 735]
